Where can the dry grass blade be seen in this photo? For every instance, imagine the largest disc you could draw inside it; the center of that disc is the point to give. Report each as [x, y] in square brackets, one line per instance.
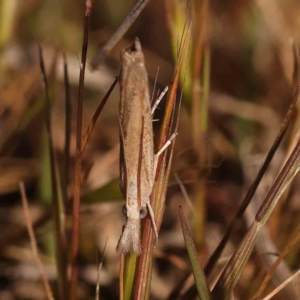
[77, 180]
[295, 238]
[58, 206]
[235, 267]
[33, 243]
[131, 17]
[279, 288]
[217, 253]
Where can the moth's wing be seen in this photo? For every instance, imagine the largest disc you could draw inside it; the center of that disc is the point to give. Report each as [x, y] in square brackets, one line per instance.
[140, 166]
[147, 151]
[122, 163]
[137, 137]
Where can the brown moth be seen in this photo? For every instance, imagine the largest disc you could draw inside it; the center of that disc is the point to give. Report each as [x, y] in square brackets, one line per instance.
[137, 161]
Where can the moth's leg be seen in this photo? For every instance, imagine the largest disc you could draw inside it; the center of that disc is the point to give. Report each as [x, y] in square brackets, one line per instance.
[157, 101]
[151, 214]
[131, 17]
[162, 149]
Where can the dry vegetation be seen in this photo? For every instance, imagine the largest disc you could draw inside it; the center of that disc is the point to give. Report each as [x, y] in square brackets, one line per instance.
[237, 81]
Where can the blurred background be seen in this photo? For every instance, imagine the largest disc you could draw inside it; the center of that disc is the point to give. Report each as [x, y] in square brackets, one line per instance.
[238, 81]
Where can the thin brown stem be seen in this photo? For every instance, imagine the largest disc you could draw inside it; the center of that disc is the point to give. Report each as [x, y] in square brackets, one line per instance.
[68, 117]
[33, 242]
[77, 180]
[92, 124]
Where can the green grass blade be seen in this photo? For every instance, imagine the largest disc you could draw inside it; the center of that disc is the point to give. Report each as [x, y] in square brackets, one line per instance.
[57, 204]
[200, 280]
[129, 275]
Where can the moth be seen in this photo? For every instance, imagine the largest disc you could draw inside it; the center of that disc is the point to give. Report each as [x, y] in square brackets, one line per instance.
[137, 159]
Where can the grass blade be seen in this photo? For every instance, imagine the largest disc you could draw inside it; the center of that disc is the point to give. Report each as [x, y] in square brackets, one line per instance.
[129, 272]
[58, 207]
[199, 276]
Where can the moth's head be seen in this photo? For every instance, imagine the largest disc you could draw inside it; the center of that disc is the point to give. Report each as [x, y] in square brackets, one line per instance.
[133, 54]
[135, 213]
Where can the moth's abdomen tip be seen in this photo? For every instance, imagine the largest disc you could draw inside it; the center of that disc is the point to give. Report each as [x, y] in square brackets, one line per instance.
[130, 238]
[125, 248]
